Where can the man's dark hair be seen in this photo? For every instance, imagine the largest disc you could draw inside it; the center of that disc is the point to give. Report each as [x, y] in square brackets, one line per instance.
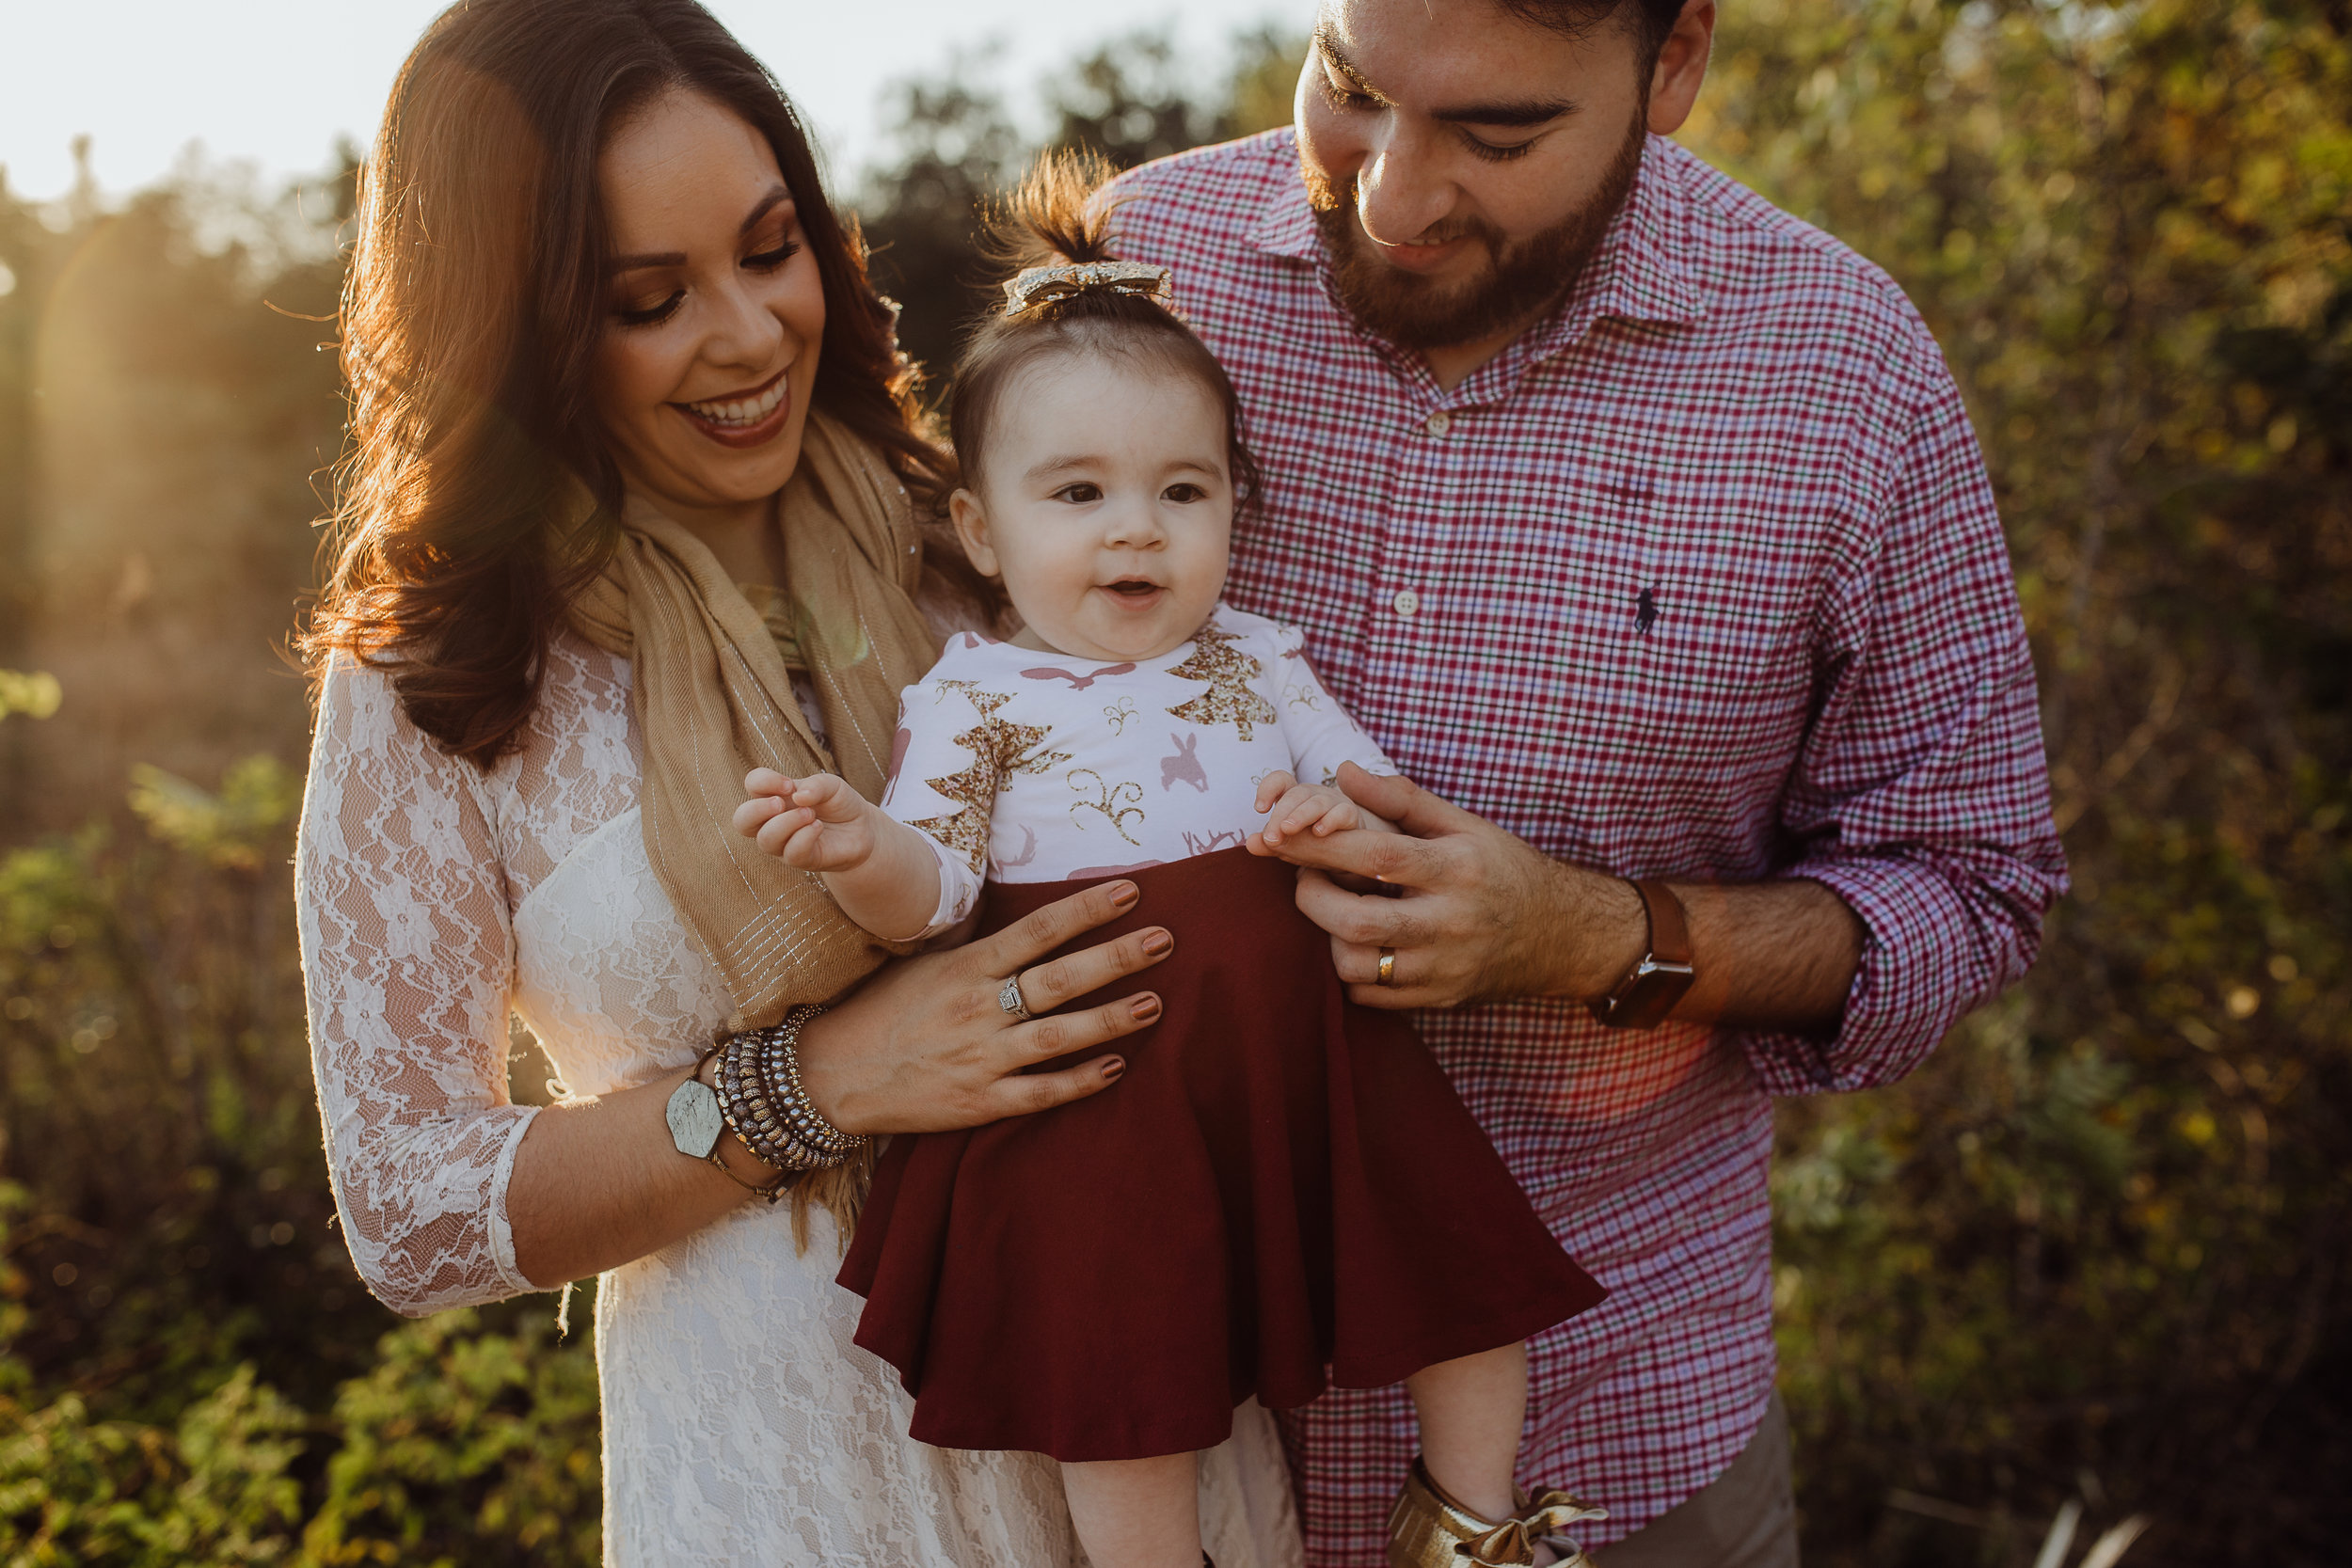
[1649, 19]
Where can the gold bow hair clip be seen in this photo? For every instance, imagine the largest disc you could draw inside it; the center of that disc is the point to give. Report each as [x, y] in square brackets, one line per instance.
[1043, 285]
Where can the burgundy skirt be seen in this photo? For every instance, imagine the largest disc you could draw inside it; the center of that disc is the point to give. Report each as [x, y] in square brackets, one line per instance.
[1282, 1193]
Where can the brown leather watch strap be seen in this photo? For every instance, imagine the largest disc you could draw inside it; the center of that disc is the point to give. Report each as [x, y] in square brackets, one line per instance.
[1669, 933]
[1655, 982]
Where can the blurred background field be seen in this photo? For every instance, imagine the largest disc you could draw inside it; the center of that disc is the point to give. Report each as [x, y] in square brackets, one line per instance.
[2088, 1264]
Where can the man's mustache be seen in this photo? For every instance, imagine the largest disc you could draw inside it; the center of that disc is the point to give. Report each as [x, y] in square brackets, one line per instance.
[1330, 196]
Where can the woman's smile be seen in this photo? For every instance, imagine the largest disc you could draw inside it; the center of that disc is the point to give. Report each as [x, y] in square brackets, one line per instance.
[742, 419]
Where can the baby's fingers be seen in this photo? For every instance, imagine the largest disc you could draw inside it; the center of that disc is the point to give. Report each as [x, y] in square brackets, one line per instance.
[778, 831]
[767, 781]
[1343, 816]
[755, 812]
[1272, 789]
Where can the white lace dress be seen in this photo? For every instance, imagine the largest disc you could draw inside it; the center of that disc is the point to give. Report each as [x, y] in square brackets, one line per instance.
[740, 1424]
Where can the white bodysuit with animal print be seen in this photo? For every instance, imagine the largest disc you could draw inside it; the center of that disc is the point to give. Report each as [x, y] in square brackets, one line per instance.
[1027, 766]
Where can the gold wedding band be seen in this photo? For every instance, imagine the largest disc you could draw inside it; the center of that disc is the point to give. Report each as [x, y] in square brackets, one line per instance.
[1387, 975]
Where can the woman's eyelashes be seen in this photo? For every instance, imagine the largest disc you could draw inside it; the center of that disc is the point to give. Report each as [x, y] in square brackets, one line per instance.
[762, 262]
[650, 315]
[769, 260]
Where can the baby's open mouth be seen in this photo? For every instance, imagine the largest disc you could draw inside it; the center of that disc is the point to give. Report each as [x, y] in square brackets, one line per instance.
[1136, 589]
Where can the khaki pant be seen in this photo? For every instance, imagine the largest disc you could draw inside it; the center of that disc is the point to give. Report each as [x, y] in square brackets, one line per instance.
[1744, 1518]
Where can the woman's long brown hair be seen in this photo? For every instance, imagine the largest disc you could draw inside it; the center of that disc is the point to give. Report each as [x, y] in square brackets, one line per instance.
[477, 495]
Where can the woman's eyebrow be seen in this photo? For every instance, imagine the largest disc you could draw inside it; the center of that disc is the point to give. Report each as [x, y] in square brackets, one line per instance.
[776, 197]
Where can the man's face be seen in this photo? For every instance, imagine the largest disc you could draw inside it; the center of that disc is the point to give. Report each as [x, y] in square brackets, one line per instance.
[1463, 163]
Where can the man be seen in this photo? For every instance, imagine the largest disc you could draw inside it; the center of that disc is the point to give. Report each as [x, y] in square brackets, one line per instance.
[1646, 523]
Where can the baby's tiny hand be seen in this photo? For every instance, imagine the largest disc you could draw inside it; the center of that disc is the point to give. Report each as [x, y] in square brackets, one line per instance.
[816, 824]
[1300, 808]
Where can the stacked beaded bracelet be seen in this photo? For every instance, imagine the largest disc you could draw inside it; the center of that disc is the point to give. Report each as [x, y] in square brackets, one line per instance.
[766, 1106]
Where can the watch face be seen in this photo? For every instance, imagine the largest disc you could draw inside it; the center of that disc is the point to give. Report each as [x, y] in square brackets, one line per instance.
[695, 1122]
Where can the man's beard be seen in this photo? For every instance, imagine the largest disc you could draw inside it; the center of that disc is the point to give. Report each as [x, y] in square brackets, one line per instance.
[1521, 280]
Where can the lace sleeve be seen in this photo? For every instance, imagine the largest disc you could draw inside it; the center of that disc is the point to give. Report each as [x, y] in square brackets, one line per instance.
[407, 956]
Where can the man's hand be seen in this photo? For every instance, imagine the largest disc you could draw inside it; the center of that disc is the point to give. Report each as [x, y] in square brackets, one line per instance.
[1479, 915]
[1292, 807]
[1484, 916]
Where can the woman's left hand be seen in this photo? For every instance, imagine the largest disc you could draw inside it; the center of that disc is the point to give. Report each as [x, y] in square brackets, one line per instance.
[926, 1045]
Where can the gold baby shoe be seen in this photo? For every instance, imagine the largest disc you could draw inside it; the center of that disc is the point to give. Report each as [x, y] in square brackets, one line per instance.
[1429, 1528]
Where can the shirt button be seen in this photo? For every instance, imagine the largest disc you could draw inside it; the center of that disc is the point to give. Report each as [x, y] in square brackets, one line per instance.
[1407, 604]
[1438, 422]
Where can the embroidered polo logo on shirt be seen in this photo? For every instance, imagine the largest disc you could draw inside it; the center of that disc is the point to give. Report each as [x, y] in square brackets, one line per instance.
[1644, 610]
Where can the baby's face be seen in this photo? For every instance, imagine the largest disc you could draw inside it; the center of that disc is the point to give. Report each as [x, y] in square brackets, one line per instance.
[1106, 504]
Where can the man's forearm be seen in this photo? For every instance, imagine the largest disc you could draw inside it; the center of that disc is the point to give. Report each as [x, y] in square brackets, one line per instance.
[1769, 954]
[1777, 954]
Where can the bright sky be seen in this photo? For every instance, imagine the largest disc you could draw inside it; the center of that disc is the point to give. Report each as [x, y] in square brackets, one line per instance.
[274, 81]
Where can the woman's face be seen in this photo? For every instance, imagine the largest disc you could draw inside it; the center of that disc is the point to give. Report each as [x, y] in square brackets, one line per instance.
[716, 311]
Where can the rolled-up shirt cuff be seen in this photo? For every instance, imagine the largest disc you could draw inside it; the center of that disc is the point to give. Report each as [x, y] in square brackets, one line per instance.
[1922, 965]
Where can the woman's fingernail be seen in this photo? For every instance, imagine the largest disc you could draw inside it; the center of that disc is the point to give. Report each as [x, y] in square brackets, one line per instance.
[1158, 943]
[1145, 1008]
[1123, 895]
[1113, 1067]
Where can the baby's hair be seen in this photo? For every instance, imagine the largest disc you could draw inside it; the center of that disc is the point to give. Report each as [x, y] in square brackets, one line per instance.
[1059, 214]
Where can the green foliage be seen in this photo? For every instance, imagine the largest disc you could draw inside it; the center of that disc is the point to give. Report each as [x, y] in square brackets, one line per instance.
[257, 798]
[2092, 1246]
[457, 1438]
[77, 1491]
[36, 695]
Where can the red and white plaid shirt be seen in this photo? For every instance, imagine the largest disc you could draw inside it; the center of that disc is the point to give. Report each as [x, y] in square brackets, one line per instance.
[1699, 578]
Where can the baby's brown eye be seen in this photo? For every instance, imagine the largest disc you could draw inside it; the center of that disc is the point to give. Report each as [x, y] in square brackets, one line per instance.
[1183, 495]
[1078, 495]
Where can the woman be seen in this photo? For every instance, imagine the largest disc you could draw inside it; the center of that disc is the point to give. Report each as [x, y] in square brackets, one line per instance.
[617, 373]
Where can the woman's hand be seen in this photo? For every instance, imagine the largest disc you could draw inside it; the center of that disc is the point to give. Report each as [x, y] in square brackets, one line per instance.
[925, 1045]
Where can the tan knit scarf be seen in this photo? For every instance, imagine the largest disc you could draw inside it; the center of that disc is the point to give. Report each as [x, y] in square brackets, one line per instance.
[713, 701]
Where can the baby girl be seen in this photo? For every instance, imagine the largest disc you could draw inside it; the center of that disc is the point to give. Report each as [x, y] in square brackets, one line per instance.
[1284, 1188]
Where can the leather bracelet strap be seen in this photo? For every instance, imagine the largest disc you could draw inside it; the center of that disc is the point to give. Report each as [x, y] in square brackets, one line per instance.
[1669, 932]
[1658, 979]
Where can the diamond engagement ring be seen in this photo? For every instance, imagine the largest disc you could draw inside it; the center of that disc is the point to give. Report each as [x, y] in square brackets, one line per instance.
[1010, 998]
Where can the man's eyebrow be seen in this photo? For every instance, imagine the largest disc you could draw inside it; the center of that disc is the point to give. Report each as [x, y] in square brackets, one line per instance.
[776, 196]
[1520, 114]
[1525, 114]
[1341, 66]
